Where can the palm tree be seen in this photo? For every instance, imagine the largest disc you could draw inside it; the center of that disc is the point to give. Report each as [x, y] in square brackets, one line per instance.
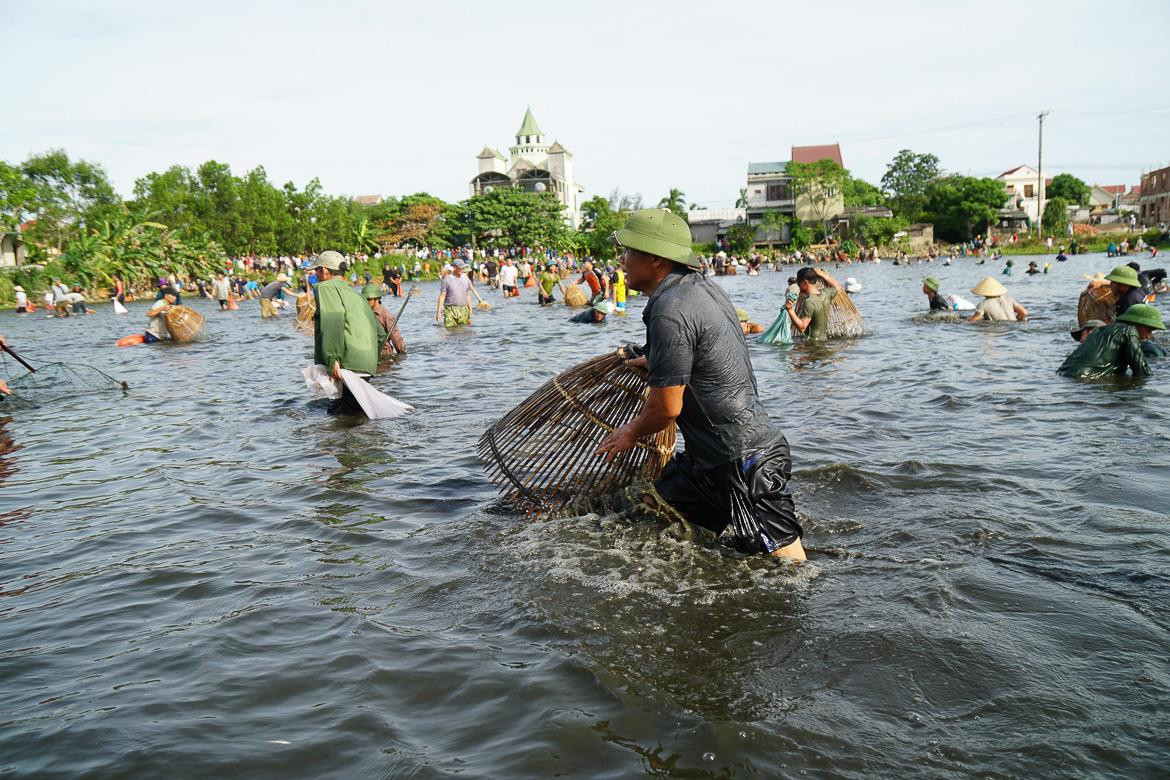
[675, 201]
[742, 202]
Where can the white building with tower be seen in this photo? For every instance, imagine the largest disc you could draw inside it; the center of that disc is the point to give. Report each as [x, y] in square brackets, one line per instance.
[532, 166]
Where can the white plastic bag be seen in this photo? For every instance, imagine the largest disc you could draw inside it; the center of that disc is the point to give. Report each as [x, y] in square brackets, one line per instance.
[959, 303]
[118, 307]
[377, 405]
[320, 384]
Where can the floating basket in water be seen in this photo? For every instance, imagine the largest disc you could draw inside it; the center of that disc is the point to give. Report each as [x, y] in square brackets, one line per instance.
[184, 324]
[1097, 302]
[576, 297]
[540, 454]
[845, 321]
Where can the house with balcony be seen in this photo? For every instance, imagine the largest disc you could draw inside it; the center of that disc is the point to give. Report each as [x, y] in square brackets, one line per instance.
[1024, 192]
[769, 189]
[1154, 201]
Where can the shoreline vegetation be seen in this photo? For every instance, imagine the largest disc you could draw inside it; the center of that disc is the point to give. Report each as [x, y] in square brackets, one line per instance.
[194, 223]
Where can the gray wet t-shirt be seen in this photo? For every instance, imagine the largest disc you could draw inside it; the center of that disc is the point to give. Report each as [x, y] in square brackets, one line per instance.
[693, 338]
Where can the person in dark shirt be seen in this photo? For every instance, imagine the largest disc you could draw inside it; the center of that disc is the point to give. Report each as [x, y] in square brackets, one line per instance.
[930, 287]
[1115, 349]
[735, 469]
[595, 313]
[1123, 280]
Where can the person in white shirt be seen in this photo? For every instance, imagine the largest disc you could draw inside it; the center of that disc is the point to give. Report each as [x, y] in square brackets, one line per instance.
[508, 276]
[21, 300]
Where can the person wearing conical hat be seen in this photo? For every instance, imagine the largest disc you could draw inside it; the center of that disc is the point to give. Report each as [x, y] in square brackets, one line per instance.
[21, 299]
[733, 474]
[1115, 349]
[930, 287]
[996, 305]
[1124, 282]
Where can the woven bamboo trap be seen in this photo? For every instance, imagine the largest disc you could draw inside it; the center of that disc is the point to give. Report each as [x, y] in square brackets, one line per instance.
[1097, 302]
[541, 454]
[184, 324]
[575, 297]
[845, 321]
[306, 308]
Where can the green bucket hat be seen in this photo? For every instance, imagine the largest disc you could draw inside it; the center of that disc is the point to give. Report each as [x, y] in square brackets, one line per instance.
[1123, 274]
[1143, 314]
[932, 283]
[661, 233]
[371, 291]
[742, 315]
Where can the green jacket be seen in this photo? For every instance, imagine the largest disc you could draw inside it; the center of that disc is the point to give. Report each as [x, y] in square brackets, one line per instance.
[345, 329]
[1113, 349]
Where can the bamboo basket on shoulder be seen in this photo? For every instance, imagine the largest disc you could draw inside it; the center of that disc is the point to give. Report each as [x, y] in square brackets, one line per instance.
[541, 454]
[184, 324]
[1097, 302]
[575, 297]
[845, 321]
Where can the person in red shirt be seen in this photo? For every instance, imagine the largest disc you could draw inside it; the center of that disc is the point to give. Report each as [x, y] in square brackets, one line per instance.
[589, 277]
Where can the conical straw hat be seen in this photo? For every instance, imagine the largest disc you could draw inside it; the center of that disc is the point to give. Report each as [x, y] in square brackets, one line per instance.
[989, 288]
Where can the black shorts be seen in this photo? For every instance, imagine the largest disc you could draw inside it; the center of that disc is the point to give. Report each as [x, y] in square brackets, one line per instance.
[509, 288]
[545, 300]
[750, 494]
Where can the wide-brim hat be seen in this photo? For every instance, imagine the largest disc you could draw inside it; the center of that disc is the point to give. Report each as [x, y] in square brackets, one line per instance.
[1143, 314]
[282, 277]
[1123, 274]
[989, 288]
[371, 291]
[330, 259]
[1089, 324]
[17, 288]
[458, 264]
[742, 315]
[659, 232]
[931, 282]
[1097, 278]
[605, 307]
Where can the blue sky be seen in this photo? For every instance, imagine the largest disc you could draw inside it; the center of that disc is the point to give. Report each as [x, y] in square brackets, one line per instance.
[394, 98]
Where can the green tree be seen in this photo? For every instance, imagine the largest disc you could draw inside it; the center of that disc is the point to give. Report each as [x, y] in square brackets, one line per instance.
[67, 194]
[859, 192]
[818, 188]
[961, 206]
[599, 221]
[509, 217]
[740, 237]
[675, 201]
[17, 196]
[1068, 187]
[907, 179]
[1055, 217]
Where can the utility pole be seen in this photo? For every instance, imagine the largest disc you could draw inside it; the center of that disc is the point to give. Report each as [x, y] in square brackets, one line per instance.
[1040, 178]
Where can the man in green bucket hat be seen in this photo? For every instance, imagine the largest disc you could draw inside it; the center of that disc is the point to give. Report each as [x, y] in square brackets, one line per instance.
[735, 468]
[1123, 280]
[930, 287]
[1117, 348]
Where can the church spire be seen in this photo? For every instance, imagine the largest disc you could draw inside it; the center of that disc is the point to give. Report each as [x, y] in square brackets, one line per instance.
[529, 128]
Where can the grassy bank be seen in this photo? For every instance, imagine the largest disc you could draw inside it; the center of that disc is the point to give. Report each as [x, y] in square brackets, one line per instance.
[1097, 243]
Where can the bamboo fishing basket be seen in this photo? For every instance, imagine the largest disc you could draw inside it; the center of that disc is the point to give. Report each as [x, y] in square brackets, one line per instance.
[306, 309]
[541, 454]
[1097, 302]
[575, 297]
[184, 324]
[845, 321]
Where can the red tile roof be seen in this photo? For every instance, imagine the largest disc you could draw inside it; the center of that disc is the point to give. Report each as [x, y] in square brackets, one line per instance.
[1115, 189]
[1135, 189]
[812, 154]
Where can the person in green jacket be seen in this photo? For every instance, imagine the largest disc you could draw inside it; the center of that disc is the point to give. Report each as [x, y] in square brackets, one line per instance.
[1117, 348]
[346, 334]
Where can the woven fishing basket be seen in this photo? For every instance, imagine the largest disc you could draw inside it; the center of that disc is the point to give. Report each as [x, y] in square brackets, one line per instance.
[1097, 302]
[845, 321]
[576, 297]
[541, 454]
[306, 308]
[184, 324]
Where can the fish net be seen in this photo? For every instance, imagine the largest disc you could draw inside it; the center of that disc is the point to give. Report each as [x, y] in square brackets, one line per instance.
[54, 379]
[845, 321]
[541, 454]
[306, 309]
